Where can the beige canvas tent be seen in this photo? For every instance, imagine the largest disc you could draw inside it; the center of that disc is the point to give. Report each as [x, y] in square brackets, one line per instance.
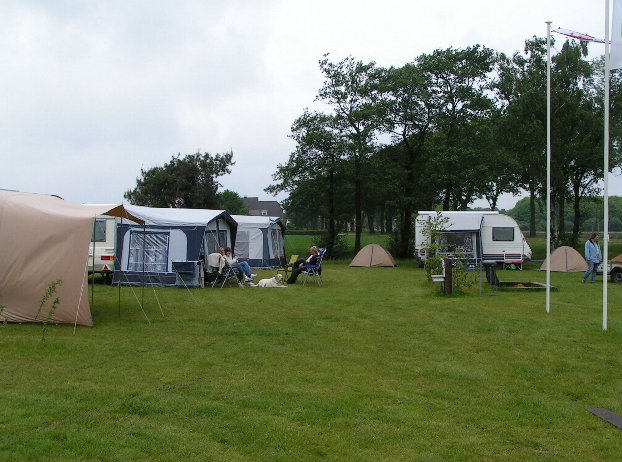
[45, 239]
[373, 255]
[567, 260]
[617, 259]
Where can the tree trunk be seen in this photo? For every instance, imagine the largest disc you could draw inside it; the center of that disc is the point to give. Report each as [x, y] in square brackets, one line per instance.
[532, 210]
[357, 205]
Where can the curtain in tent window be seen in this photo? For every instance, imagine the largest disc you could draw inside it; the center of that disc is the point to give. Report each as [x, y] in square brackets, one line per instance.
[214, 240]
[276, 243]
[242, 244]
[148, 252]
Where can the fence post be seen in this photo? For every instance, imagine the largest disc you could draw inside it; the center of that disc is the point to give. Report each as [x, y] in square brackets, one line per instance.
[448, 288]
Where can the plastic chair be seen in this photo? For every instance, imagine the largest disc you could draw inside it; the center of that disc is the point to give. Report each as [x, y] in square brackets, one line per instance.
[288, 267]
[314, 271]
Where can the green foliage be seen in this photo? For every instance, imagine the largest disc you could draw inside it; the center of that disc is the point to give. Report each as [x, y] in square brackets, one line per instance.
[232, 203]
[462, 278]
[431, 230]
[591, 215]
[463, 124]
[337, 249]
[373, 365]
[49, 293]
[183, 182]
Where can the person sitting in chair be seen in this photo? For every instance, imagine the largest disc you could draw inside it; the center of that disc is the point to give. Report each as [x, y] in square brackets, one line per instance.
[299, 265]
[244, 269]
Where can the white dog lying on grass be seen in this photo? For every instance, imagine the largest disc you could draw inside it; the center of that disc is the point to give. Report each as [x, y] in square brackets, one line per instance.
[276, 281]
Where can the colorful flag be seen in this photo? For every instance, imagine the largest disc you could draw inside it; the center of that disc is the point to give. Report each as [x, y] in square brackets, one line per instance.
[615, 55]
[577, 35]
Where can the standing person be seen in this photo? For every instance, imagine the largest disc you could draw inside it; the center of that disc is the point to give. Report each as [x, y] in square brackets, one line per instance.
[299, 265]
[242, 266]
[592, 256]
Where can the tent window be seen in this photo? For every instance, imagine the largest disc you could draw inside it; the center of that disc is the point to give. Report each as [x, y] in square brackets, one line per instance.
[148, 251]
[276, 243]
[211, 243]
[242, 244]
[503, 233]
[99, 231]
[222, 238]
[214, 240]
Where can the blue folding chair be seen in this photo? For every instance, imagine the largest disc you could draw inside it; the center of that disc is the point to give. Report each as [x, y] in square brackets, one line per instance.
[314, 271]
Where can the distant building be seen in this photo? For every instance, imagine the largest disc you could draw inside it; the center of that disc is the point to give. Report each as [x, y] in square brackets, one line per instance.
[263, 208]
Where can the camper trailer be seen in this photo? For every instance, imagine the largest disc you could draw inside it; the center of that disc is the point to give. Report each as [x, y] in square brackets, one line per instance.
[481, 235]
[101, 250]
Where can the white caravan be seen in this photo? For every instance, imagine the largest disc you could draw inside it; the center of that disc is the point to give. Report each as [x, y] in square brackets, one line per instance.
[476, 235]
[101, 251]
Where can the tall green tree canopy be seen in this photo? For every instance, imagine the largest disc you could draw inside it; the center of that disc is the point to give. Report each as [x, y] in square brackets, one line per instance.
[183, 182]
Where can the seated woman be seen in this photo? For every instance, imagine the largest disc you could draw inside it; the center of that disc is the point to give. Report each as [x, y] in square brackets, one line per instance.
[244, 269]
[300, 264]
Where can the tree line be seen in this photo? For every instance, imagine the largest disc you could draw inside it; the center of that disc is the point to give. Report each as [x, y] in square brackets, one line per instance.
[443, 130]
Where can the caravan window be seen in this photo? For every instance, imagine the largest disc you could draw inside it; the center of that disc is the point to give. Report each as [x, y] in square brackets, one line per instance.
[455, 243]
[148, 251]
[503, 233]
[99, 231]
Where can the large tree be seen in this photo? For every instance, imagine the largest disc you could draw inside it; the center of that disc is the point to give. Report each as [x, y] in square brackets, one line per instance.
[463, 81]
[184, 182]
[407, 107]
[314, 174]
[522, 86]
[349, 89]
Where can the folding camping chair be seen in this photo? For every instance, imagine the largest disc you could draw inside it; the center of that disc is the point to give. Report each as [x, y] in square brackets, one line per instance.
[288, 267]
[314, 271]
[218, 272]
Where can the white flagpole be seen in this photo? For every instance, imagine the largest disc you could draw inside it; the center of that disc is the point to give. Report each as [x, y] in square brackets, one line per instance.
[606, 171]
[548, 165]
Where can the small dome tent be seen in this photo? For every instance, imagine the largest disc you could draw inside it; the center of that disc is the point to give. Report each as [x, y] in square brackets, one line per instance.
[566, 260]
[373, 255]
[617, 259]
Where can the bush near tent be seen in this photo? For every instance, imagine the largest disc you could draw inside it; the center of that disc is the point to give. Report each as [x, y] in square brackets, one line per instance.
[44, 239]
[565, 259]
[373, 255]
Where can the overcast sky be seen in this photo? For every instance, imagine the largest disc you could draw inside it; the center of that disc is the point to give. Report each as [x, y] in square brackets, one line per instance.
[91, 92]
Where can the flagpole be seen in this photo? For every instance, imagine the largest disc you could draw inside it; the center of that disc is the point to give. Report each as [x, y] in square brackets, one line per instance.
[606, 171]
[548, 166]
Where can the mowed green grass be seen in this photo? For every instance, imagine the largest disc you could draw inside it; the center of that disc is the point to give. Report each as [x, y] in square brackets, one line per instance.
[375, 365]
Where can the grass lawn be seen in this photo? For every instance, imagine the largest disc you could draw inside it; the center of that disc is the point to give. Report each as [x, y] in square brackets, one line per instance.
[375, 365]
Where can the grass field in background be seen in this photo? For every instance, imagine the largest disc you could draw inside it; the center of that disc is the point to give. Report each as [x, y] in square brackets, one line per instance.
[375, 365]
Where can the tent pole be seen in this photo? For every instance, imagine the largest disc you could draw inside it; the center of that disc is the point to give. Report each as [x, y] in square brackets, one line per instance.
[120, 261]
[93, 262]
[605, 254]
[548, 165]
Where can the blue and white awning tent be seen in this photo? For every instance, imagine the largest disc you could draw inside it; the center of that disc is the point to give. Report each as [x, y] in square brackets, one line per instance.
[260, 241]
[145, 254]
